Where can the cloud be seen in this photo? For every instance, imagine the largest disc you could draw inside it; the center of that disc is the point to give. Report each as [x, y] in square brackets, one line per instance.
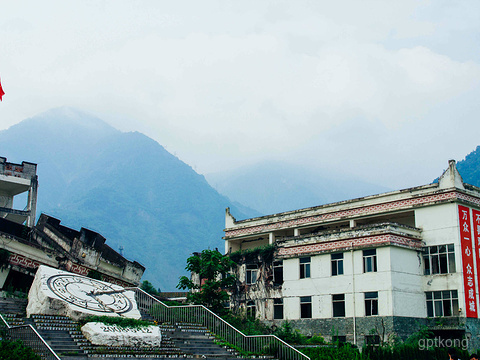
[223, 83]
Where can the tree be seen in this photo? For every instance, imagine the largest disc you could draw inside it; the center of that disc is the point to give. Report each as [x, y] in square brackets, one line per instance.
[213, 270]
[148, 288]
[15, 350]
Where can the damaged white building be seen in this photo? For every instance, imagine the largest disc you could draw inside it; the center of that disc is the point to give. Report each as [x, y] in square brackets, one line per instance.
[367, 269]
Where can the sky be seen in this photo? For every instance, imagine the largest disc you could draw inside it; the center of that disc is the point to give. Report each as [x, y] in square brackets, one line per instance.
[386, 91]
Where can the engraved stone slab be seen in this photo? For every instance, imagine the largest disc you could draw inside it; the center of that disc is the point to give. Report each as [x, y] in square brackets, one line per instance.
[112, 335]
[58, 292]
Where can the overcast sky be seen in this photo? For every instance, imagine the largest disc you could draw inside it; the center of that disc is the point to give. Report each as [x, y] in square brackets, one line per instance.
[384, 90]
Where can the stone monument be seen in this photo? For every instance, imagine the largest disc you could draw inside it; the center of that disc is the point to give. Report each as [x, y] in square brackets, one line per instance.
[58, 292]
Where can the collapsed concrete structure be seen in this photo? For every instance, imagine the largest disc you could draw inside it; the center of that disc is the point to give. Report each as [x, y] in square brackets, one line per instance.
[25, 246]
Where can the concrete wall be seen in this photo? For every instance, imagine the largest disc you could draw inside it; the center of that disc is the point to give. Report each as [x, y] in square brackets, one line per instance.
[440, 225]
[395, 265]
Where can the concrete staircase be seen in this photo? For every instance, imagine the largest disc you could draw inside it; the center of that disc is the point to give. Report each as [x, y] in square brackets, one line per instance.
[13, 310]
[196, 341]
[66, 339]
[179, 340]
[62, 334]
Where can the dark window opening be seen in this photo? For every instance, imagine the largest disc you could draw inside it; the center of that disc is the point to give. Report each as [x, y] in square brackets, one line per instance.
[339, 339]
[337, 264]
[278, 272]
[338, 302]
[305, 267]
[251, 310]
[439, 259]
[278, 308]
[371, 303]
[306, 307]
[372, 340]
[442, 303]
[370, 260]
[251, 274]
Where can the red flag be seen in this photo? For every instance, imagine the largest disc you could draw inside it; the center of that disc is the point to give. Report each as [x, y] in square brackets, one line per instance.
[1, 91]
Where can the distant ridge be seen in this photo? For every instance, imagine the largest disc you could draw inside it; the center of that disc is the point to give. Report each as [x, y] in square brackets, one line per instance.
[469, 167]
[125, 186]
[273, 187]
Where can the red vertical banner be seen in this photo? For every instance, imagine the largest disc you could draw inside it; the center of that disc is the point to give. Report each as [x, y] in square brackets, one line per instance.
[467, 261]
[476, 240]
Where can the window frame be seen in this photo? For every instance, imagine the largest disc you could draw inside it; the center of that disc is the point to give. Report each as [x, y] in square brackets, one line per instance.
[305, 307]
[370, 260]
[251, 309]
[277, 308]
[371, 303]
[439, 259]
[372, 340]
[251, 274]
[338, 305]
[305, 267]
[278, 272]
[438, 302]
[337, 264]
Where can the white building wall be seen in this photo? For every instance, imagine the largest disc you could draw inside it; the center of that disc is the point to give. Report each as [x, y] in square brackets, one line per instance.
[440, 225]
[394, 266]
[399, 279]
[407, 281]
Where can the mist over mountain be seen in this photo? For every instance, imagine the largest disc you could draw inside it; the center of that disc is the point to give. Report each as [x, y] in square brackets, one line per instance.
[272, 187]
[131, 190]
[125, 186]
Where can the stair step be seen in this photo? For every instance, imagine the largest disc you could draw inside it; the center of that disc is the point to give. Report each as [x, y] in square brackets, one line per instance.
[188, 340]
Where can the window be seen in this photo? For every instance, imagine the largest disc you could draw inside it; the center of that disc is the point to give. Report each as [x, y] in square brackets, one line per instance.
[372, 340]
[251, 275]
[278, 272]
[371, 303]
[337, 264]
[339, 339]
[439, 259]
[278, 308]
[338, 302]
[306, 307]
[305, 267]
[369, 260]
[251, 311]
[442, 303]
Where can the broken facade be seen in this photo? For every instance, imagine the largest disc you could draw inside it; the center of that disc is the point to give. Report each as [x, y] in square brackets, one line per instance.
[24, 246]
[367, 269]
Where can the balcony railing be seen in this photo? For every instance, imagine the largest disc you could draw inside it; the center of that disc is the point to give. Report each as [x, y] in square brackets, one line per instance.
[256, 344]
[30, 338]
[346, 231]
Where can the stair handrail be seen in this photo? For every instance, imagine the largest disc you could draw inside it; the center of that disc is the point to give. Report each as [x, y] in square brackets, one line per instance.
[216, 325]
[4, 322]
[33, 340]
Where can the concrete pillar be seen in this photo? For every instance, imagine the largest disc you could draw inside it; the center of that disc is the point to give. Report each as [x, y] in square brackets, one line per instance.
[271, 238]
[353, 223]
[227, 246]
[3, 277]
[32, 201]
[296, 232]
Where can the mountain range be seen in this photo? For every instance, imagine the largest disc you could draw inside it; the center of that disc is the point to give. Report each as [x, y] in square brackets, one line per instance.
[272, 187]
[125, 186]
[151, 204]
[469, 168]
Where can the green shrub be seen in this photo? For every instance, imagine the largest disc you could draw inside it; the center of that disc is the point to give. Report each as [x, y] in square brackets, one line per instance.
[344, 352]
[247, 325]
[14, 350]
[118, 321]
